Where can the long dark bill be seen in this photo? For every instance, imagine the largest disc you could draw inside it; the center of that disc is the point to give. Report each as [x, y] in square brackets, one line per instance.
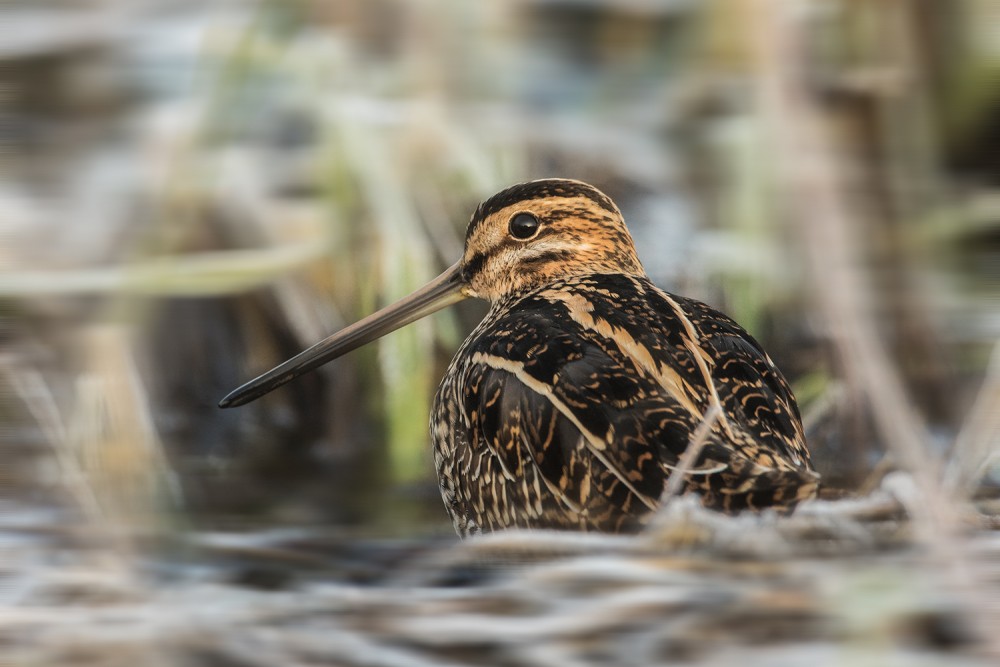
[441, 292]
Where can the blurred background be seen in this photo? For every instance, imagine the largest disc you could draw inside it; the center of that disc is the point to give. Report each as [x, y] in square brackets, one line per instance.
[194, 191]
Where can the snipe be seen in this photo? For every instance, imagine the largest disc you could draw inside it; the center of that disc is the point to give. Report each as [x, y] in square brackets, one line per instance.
[575, 398]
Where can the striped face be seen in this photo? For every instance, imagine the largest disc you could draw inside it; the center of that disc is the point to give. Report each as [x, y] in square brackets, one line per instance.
[534, 233]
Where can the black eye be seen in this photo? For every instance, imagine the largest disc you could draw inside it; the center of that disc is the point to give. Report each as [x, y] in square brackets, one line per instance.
[523, 226]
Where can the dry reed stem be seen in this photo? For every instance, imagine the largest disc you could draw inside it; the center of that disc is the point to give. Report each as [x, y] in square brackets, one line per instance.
[32, 389]
[695, 445]
[113, 433]
[978, 443]
[83, 491]
[811, 173]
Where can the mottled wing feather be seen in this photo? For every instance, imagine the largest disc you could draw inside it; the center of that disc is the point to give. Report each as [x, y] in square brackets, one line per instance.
[536, 417]
[752, 391]
[766, 463]
[573, 406]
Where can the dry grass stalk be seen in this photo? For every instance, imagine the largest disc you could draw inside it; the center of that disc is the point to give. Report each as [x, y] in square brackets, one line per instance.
[33, 391]
[690, 455]
[811, 171]
[112, 436]
[978, 444]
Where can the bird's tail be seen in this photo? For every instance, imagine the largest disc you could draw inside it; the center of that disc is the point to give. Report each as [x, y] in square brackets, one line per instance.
[745, 485]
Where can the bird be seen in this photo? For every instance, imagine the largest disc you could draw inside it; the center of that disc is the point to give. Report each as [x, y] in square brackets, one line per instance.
[587, 397]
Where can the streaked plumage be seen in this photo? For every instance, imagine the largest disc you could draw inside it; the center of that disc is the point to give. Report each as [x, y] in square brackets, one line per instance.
[572, 402]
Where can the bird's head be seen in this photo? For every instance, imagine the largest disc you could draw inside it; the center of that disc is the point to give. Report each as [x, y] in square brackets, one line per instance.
[526, 236]
[534, 233]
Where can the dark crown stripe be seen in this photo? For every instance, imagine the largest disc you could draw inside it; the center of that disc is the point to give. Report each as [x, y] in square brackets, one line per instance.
[543, 189]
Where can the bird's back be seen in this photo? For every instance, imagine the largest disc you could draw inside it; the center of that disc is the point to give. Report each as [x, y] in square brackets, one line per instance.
[570, 405]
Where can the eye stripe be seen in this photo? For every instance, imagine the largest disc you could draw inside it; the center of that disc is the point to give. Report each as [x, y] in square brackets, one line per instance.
[473, 266]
